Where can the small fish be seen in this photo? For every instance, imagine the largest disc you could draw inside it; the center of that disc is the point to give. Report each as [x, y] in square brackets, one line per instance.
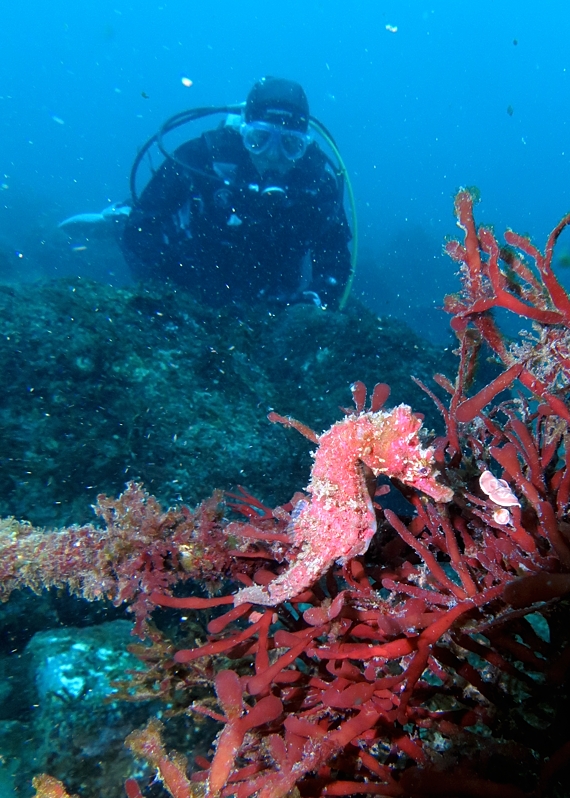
[187, 82]
[510, 110]
[144, 95]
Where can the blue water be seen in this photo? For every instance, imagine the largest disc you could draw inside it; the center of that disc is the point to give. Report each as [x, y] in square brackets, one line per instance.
[421, 98]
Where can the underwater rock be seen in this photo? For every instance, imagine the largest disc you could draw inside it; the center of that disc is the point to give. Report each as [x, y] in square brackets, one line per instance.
[104, 384]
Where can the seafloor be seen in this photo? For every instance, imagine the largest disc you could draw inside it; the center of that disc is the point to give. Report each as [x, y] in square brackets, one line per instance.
[103, 385]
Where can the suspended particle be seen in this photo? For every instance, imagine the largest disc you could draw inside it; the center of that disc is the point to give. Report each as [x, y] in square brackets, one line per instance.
[187, 82]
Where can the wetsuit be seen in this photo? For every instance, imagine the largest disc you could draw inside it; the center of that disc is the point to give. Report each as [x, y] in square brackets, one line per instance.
[228, 234]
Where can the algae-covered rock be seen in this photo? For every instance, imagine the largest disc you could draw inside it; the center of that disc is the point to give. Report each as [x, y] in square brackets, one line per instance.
[102, 385]
[76, 729]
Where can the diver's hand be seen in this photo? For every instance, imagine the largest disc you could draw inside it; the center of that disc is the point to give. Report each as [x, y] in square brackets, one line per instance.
[307, 298]
[297, 298]
[87, 222]
[311, 298]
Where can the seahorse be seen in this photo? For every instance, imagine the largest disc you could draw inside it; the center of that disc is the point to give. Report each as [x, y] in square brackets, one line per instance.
[338, 520]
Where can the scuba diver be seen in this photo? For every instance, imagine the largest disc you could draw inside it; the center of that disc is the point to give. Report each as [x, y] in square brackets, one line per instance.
[250, 211]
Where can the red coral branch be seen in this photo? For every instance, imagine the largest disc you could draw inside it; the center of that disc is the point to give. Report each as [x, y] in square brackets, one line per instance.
[364, 652]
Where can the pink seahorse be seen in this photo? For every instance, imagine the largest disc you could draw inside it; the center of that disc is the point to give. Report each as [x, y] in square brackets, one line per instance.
[338, 521]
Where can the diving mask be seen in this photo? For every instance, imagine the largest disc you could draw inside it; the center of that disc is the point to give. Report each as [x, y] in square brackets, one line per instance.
[260, 137]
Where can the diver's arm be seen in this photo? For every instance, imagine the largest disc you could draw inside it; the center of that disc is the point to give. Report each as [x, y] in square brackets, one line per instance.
[164, 194]
[331, 259]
